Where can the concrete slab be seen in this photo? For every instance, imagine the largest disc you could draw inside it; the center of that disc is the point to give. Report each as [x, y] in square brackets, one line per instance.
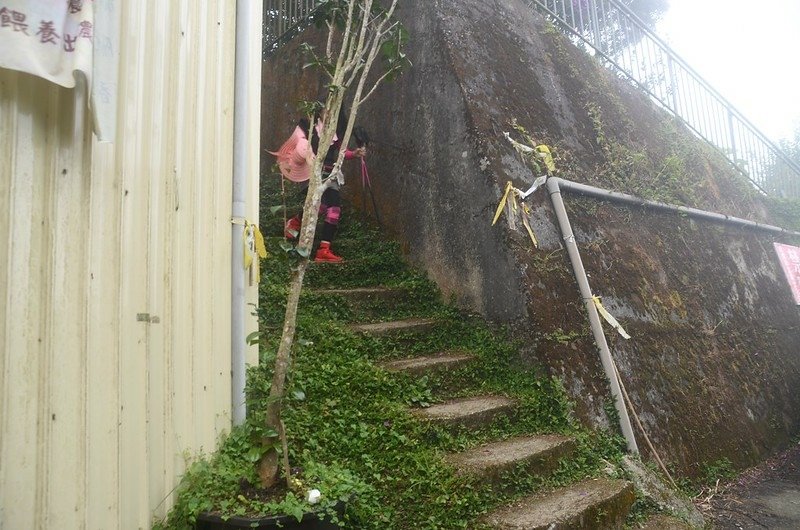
[538, 455]
[398, 326]
[591, 505]
[429, 364]
[468, 412]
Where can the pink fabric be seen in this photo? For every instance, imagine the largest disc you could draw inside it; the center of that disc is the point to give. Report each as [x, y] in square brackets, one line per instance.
[292, 157]
[332, 214]
[365, 183]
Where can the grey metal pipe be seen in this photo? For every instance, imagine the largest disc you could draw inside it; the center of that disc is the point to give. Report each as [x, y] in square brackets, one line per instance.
[243, 77]
[592, 191]
[594, 318]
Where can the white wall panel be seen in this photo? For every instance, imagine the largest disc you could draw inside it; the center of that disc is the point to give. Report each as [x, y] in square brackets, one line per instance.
[115, 275]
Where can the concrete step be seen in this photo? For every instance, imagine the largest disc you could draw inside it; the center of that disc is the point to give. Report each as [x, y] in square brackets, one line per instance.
[598, 504]
[449, 360]
[382, 329]
[366, 294]
[539, 455]
[468, 412]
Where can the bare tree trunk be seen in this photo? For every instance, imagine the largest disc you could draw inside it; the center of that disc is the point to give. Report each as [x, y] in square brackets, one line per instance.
[362, 38]
[268, 467]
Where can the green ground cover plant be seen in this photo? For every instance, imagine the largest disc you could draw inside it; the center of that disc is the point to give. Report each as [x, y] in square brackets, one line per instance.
[348, 421]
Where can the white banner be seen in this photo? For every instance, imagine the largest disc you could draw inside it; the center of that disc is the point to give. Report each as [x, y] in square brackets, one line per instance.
[56, 39]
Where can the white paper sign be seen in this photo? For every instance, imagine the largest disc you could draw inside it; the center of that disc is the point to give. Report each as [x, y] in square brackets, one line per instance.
[789, 257]
[57, 39]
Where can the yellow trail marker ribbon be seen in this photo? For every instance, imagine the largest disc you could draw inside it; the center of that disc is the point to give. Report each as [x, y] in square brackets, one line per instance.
[544, 153]
[526, 213]
[253, 247]
[502, 204]
[609, 317]
[531, 153]
[517, 208]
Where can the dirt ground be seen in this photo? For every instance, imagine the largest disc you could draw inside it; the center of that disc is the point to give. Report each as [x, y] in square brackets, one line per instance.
[766, 496]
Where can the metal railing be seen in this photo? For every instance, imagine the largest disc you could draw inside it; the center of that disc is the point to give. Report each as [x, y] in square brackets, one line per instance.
[609, 29]
[282, 20]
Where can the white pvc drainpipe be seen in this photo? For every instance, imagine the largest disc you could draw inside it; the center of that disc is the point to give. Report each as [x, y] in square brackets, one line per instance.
[584, 189]
[594, 317]
[241, 128]
[554, 187]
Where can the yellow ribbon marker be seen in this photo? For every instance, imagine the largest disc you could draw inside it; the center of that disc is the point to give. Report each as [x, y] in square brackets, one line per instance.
[544, 153]
[253, 246]
[502, 204]
[609, 317]
[515, 208]
[261, 248]
[526, 212]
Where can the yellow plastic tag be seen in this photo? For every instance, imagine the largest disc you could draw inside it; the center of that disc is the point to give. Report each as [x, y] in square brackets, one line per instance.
[253, 248]
[544, 153]
[526, 211]
[261, 248]
[502, 204]
[609, 317]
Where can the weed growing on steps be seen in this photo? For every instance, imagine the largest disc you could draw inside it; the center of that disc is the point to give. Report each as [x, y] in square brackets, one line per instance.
[350, 418]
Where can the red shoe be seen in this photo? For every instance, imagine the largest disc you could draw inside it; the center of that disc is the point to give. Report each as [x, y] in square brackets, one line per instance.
[325, 255]
[292, 228]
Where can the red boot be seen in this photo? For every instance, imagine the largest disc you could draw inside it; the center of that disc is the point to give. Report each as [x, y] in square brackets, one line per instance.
[292, 228]
[326, 255]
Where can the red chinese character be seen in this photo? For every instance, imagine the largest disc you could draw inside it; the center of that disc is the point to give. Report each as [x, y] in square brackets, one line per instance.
[75, 6]
[69, 42]
[86, 30]
[48, 32]
[13, 19]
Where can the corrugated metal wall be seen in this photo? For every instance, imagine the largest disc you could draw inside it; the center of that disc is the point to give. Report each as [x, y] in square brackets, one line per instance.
[115, 275]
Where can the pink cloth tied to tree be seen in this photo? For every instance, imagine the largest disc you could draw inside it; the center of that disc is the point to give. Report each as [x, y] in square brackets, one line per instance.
[292, 157]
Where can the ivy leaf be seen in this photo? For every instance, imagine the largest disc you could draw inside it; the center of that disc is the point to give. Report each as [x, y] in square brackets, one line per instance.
[253, 455]
[297, 511]
[275, 209]
[286, 246]
[267, 432]
[299, 395]
[253, 338]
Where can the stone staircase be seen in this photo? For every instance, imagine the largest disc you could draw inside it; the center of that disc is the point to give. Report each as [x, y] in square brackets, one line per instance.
[590, 504]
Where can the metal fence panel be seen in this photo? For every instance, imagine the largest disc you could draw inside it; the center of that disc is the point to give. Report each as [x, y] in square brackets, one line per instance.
[610, 30]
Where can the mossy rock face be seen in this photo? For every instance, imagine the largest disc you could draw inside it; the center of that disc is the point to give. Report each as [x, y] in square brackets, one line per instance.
[713, 361]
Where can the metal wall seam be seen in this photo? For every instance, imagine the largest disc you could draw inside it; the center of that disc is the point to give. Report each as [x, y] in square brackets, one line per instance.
[222, 83]
[103, 401]
[157, 101]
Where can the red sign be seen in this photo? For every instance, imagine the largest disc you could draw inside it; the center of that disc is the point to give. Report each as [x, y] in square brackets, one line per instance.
[790, 261]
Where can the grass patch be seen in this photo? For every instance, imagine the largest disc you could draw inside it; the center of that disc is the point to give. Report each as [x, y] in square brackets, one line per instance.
[349, 421]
